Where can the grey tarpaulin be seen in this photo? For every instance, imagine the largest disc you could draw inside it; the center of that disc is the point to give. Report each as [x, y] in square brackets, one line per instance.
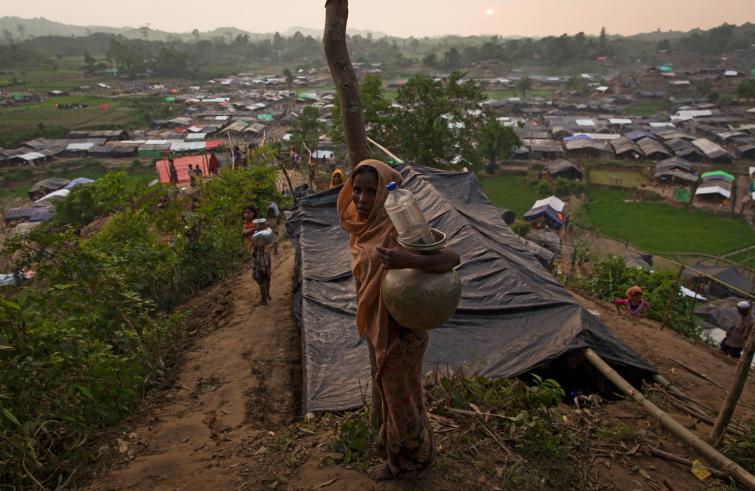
[513, 315]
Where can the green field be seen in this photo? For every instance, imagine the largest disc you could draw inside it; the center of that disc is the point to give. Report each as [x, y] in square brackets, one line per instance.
[509, 192]
[661, 228]
[746, 257]
[646, 108]
[617, 177]
[507, 93]
[16, 183]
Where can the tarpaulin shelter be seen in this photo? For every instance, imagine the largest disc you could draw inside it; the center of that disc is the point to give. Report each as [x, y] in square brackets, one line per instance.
[78, 182]
[552, 217]
[46, 186]
[514, 316]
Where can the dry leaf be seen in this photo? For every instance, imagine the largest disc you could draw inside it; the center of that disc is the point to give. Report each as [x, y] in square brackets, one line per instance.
[326, 483]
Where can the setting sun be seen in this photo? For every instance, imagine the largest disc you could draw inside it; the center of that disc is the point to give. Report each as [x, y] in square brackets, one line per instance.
[489, 12]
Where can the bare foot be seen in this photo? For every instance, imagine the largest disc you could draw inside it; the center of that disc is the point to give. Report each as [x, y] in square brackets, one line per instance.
[381, 472]
[263, 302]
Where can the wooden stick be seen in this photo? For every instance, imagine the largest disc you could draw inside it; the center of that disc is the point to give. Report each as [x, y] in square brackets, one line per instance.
[701, 416]
[385, 151]
[699, 374]
[732, 398]
[681, 460]
[679, 431]
[669, 386]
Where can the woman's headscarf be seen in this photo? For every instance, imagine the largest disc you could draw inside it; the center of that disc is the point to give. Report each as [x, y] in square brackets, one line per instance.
[337, 172]
[364, 238]
[632, 290]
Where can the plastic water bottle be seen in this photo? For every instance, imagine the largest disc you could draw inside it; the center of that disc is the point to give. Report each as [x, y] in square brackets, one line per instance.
[406, 216]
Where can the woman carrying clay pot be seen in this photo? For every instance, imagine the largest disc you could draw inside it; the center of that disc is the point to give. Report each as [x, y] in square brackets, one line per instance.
[405, 439]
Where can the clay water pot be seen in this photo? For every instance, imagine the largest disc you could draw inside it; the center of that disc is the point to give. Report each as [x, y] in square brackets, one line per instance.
[418, 299]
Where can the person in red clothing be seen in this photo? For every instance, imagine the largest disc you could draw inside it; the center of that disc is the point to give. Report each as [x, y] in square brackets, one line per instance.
[213, 166]
[633, 305]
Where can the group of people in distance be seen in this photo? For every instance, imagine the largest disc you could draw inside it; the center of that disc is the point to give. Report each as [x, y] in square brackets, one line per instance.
[261, 262]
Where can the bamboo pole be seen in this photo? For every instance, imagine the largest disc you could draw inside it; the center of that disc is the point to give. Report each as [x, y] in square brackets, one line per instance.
[671, 298]
[385, 151]
[669, 386]
[743, 369]
[679, 431]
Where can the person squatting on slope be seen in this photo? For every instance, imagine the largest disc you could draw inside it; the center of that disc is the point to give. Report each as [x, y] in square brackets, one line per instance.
[736, 338]
[405, 439]
[634, 305]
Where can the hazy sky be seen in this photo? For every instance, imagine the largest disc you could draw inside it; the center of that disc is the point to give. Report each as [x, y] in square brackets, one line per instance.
[399, 17]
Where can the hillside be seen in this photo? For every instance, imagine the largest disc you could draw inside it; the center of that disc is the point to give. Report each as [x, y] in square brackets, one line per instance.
[23, 29]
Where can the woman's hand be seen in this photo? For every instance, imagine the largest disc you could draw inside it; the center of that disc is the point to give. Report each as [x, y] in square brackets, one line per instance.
[399, 258]
[396, 257]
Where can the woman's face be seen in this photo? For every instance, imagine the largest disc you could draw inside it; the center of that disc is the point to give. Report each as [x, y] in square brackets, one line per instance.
[364, 190]
[249, 215]
[337, 180]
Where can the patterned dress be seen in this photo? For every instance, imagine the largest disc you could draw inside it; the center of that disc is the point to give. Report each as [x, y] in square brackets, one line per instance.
[261, 264]
[405, 439]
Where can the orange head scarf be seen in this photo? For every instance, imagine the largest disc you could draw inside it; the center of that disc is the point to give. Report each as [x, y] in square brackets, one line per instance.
[632, 290]
[364, 238]
[339, 173]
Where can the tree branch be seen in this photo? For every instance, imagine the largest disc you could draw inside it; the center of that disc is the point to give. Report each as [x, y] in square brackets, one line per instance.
[347, 85]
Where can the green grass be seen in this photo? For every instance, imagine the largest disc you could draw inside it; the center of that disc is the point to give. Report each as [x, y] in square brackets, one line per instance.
[18, 188]
[506, 93]
[746, 258]
[607, 177]
[646, 108]
[509, 192]
[661, 228]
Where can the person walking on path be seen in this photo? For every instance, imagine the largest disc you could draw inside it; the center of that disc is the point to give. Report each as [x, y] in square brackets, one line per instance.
[192, 177]
[273, 221]
[405, 438]
[173, 174]
[261, 264]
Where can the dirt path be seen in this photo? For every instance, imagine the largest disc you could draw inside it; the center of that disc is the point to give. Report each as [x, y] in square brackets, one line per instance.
[232, 385]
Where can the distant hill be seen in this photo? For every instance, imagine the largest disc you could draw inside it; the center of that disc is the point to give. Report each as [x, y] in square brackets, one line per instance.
[317, 33]
[19, 29]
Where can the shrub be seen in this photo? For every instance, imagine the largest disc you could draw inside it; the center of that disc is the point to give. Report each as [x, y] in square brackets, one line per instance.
[80, 344]
[612, 277]
[520, 227]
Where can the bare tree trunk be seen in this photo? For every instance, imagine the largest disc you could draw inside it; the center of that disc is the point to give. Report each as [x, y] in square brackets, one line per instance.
[727, 410]
[347, 85]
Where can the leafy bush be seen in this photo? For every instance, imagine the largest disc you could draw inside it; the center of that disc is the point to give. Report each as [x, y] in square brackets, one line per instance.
[742, 449]
[612, 277]
[520, 227]
[523, 419]
[354, 436]
[80, 344]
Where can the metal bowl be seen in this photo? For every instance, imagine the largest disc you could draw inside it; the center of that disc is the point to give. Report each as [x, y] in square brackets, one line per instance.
[440, 242]
[263, 238]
